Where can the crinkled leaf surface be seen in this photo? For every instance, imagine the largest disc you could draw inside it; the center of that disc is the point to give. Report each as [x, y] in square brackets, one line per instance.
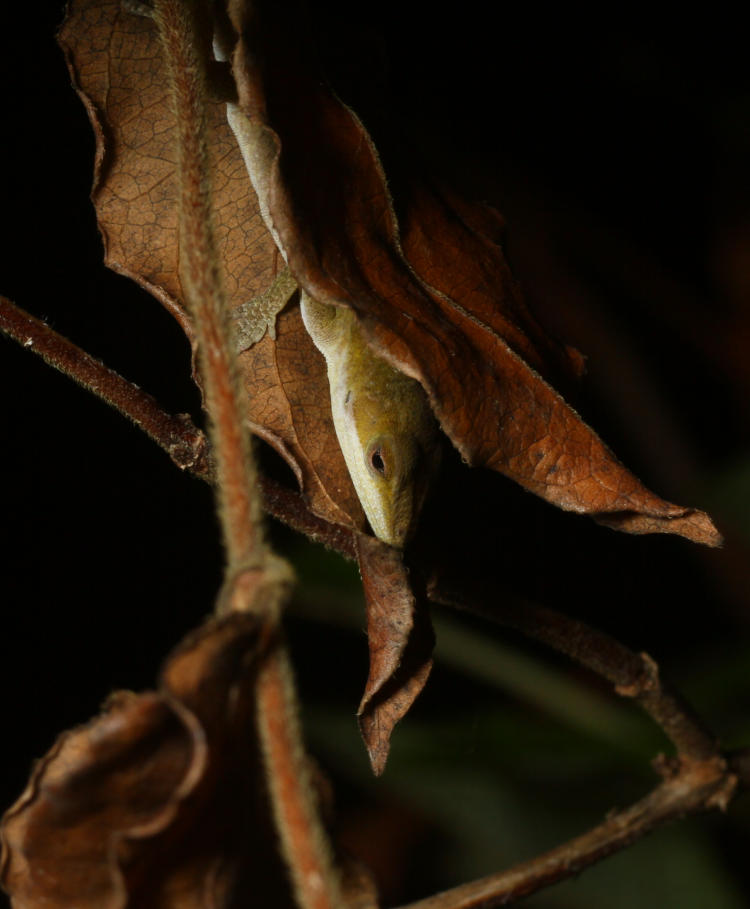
[401, 641]
[289, 405]
[117, 67]
[157, 802]
[433, 292]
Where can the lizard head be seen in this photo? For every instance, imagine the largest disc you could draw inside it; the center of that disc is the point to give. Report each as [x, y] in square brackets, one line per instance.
[391, 451]
[383, 422]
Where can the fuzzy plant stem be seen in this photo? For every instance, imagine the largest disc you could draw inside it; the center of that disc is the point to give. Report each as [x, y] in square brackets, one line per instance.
[256, 579]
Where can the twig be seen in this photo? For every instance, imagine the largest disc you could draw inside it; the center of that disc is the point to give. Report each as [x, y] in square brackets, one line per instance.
[698, 778]
[177, 435]
[255, 578]
[185, 50]
[303, 841]
[632, 674]
[289, 506]
[697, 786]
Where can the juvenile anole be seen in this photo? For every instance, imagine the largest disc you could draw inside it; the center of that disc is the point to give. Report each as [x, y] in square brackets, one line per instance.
[383, 422]
[384, 425]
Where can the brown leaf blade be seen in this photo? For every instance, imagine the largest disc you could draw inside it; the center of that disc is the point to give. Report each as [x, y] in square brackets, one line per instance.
[401, 640]
[117, 67]
[156, 803]
[70, 793]
[433, 293]
[289, 405]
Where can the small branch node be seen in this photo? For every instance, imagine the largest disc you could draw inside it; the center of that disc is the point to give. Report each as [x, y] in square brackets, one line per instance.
[190, 451]
[261, 585]
[724, 795]
[647, 680]
[667, 766]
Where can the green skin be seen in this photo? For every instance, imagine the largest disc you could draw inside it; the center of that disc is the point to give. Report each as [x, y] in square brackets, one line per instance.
[383, 422]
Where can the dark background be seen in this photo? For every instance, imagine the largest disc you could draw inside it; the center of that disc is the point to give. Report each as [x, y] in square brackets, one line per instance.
[617, 149]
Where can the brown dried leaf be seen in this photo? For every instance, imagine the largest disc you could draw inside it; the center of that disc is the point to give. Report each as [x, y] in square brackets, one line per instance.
[455, 246]
[401, 640]
[433, 293]
[157, 802]
[289, 405]
[117, 67]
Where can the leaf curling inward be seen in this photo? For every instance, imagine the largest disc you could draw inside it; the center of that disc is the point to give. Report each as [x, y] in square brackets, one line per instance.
[432, 291]
[288, 405]
[156, 802]
[117, 68]
[401, 640]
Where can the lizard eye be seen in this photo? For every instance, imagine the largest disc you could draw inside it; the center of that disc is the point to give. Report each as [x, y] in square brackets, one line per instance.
[377, 459]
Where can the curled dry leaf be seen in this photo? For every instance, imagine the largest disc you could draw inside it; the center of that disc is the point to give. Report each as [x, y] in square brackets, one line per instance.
[158, 801]
[431, 287]
[117, 67]
[289, 406]
[401, 641]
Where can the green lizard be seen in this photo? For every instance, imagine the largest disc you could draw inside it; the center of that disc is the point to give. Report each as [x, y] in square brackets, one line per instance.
[383, 422]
